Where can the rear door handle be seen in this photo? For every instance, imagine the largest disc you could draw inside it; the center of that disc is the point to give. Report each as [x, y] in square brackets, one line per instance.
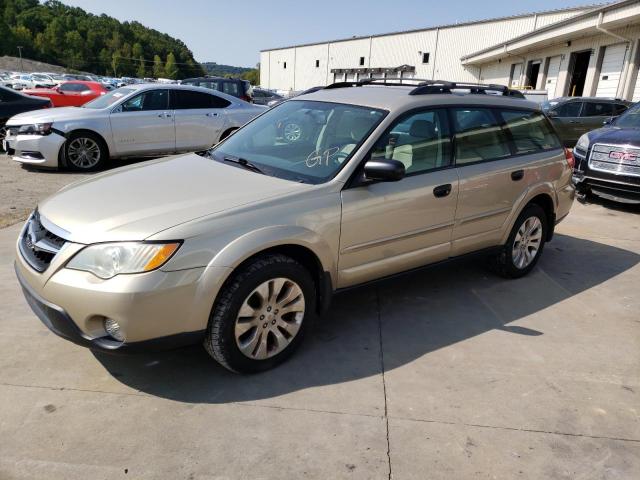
[442, 190]
[517, 175]
[211, 114]
[165, 115]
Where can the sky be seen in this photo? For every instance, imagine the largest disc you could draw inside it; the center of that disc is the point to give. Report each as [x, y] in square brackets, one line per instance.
[234, 32]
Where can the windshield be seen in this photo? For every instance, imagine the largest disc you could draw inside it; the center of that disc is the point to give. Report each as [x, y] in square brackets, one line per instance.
[630, 118]
[108, 99]
[302, 140]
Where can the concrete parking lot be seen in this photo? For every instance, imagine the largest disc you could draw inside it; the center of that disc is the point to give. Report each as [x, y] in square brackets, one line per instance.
[450, 373]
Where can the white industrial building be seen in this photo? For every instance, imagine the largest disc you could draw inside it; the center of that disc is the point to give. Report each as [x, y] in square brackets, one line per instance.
[589, 50]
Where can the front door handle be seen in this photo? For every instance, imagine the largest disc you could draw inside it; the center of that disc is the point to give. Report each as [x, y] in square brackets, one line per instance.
[211, 114]
[165, 115]
[442, 190]
[517, 175]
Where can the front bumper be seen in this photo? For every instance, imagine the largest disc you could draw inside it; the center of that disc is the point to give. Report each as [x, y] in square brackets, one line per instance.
[155, 310]
[37, 150]
[618, 187]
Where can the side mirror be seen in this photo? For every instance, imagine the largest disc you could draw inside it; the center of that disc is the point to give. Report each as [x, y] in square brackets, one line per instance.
[384, 170]
[608, 121]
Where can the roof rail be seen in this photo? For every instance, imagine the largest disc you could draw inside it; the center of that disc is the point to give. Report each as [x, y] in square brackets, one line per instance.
[428, 87]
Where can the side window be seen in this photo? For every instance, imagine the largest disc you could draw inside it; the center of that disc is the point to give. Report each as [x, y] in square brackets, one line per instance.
[188, 99]
[419, 140]
[619, 108]
[570, 109]
[69, 87]
[231, 88]
[530, 131]
[478, 136]
[210, 84]
[150, 100]
[597, 109]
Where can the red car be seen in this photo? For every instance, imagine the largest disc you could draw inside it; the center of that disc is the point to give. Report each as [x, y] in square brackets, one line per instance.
[70, 94]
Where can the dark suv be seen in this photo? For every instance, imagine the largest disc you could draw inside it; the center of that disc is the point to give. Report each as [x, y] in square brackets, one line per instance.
[608, 159]
[231, 86]
[573, 116]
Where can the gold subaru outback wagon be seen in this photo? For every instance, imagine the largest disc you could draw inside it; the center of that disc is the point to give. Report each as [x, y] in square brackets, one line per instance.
[240, 246]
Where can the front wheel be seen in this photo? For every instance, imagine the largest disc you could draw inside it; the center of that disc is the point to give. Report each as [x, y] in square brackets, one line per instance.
[524, 245]
[261, 314]
[85, 152]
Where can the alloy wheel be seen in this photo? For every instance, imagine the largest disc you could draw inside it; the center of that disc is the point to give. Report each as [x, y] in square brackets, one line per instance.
[83, 153]
[527, 242]
[269, 318]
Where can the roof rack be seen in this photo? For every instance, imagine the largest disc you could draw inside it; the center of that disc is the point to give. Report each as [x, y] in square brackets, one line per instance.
[429, 87]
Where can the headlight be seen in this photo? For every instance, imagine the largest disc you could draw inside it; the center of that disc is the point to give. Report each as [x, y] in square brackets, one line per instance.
[35, 129]
[583, 143]
[107, 260]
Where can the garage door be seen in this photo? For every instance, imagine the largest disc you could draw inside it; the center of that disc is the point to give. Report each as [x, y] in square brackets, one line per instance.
[516, 73]
[552, 76]
[611, 70]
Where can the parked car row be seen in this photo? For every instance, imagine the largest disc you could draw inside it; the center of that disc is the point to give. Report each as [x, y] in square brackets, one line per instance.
[137, 120]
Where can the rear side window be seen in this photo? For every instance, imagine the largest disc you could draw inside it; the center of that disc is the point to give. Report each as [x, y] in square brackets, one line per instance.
[188, 99]
[74, 87]
[597, 109]
[478, 136]
[231, 88]
[530, 131]
[619, 108]
[570, 109]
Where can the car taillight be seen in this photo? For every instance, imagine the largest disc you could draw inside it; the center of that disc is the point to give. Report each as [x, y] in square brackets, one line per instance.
[246, 98]
[568, 155]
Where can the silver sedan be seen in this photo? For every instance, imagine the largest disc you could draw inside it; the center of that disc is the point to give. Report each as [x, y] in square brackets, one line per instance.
[137, 120]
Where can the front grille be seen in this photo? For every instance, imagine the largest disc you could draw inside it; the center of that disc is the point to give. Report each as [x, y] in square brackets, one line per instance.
[38, 245]
[615, 159]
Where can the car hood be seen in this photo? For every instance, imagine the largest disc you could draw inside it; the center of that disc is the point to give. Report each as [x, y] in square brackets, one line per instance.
[616, 136]
[136, 202]
[52, 115]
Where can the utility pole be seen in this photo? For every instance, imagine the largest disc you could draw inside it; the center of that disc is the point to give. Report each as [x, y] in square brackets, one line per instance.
[20, 47]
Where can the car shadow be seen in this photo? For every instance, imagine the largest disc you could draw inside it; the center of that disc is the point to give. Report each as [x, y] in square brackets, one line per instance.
[609, 204]
[411, 316]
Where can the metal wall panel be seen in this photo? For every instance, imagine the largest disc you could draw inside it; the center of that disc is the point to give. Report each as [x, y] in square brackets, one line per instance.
[405, 49]
[307, 74]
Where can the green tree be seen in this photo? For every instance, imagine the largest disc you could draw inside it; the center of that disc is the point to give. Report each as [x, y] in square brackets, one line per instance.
[142, 69]
[170, 68]
[116, 60]
[253, 76]
[158, 67]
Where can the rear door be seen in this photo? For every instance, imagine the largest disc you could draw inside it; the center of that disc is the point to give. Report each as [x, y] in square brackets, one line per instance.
[144, 124]
[594, 114]
[499, 154]
[389, 227]
[199, 118]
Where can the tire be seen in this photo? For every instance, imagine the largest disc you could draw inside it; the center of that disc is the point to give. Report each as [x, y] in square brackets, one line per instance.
[85, 152]
[261, 351]
[512, 263]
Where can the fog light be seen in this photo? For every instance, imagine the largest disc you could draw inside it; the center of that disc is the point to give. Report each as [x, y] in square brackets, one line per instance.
[113, 328]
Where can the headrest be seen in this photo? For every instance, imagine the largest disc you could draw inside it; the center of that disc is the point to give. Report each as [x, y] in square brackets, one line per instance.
[423, 129]
[359, 127]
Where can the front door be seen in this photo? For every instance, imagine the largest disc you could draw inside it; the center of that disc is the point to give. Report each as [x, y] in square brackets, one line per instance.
[144, 124]
[389, 227]
[200, 119]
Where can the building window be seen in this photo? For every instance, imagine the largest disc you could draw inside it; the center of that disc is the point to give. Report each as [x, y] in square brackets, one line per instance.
[285, 65]
[425, 57]
[317, 63]
[362, 61]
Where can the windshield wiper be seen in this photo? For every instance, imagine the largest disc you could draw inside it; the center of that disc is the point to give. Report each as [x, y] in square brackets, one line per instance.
[244, 163]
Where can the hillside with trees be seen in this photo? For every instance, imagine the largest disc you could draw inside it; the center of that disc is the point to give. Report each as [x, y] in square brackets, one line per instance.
[68, 36]
[218, 70]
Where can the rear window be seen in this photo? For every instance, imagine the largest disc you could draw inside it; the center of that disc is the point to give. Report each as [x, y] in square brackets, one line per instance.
[188, 99]
[531, 131]
[597, 109]
[231, 88]
[478, 136]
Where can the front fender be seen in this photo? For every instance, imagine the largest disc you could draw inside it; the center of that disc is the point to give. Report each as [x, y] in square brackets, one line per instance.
[256, 241]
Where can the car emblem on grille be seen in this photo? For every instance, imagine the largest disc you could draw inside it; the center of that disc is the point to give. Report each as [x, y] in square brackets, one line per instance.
[617, 155]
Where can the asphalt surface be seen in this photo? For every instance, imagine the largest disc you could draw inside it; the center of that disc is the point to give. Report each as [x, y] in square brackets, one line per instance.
[451, 373]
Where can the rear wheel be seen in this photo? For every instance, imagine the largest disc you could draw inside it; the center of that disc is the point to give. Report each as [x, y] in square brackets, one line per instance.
[85, 152]
[524, 245]
[261, 314]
